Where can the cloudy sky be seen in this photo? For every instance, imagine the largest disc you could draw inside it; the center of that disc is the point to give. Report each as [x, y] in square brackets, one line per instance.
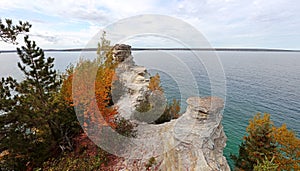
[224, 23]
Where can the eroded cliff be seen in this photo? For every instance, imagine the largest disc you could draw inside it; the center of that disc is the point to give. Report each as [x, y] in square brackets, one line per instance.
[194, 141]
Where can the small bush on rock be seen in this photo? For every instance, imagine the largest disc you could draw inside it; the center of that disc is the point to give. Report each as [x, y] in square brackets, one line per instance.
[125, 127]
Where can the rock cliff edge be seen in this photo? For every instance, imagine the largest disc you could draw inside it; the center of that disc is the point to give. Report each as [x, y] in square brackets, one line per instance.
[194, 141]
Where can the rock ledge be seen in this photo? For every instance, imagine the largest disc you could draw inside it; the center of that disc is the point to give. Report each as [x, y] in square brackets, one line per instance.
[194, 141]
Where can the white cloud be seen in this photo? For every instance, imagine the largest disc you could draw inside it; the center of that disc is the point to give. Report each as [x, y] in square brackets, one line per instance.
[225, 23]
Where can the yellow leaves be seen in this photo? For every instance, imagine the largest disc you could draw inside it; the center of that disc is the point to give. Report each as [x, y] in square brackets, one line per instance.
[259, 121]
[175, 108]
[103, 85]
[154, 83]
[66, 89]
[287, 144]
[89, 86]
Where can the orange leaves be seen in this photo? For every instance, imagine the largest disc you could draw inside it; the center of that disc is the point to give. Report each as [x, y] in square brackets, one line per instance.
[289, 147]
[259, 121]
[103, 85]
[154, 83]
[175, 108]
[88, 89]
[66, 89]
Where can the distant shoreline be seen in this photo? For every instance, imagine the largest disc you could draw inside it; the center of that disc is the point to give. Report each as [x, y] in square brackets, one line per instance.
[169, 49]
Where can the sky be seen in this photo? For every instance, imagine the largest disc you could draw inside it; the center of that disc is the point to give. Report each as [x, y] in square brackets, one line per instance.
[224, 23]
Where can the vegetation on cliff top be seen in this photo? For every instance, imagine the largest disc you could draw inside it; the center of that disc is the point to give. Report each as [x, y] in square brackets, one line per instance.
[39, 129]
[37, 122]
[171, 110]
[268, 147]
[39, 126]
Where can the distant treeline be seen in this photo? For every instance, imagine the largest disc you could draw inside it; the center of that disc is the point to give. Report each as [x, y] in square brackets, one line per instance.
[169, 49]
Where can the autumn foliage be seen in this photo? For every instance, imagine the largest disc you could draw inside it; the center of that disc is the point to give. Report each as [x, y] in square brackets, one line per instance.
[268, 144]
[39, 126]
[144, 112]
[288, 146]
[154, 83]
[90, 91]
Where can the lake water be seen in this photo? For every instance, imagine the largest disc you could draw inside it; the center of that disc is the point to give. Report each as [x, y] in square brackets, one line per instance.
[255, 82]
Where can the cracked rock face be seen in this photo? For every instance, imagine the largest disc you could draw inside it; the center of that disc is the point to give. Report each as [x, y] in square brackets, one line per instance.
[121, 52]
[194, 141]
[200, 108]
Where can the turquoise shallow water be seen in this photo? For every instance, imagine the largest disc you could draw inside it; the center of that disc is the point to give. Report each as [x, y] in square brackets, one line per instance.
[255, 82]
[264, 82]
[260, 82]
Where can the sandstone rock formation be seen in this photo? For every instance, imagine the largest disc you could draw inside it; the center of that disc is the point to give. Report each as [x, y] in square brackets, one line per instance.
[194, 141]
[121, 52]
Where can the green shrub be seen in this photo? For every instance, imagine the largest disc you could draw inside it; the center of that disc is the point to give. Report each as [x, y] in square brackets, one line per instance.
[144, 106]
[171, 112]
[151, 163]
[266, 165]
[83, 161]
[125, 127]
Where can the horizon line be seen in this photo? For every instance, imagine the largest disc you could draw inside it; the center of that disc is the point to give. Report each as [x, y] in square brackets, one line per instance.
[168, 49]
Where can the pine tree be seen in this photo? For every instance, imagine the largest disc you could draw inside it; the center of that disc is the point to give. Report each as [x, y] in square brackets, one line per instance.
[266, 165]
[9, 32]
[288, 146]
[259, 143]
[267, 146]
[36, 123]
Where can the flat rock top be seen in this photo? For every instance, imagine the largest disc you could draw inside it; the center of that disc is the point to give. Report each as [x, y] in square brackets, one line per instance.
[139, 69]
[122, 47]
[205, 104]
